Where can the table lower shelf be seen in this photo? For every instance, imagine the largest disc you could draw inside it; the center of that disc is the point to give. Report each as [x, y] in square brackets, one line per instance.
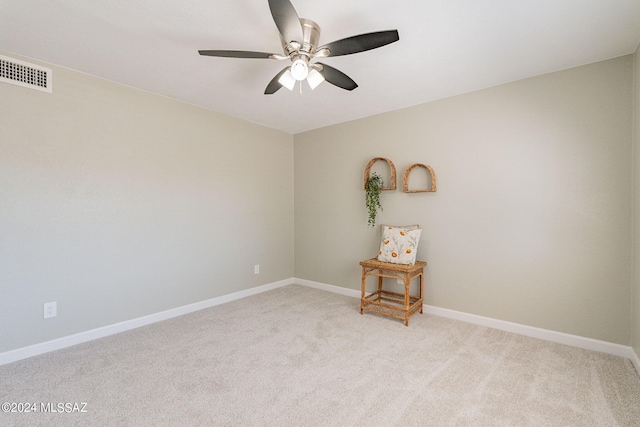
[391, 304]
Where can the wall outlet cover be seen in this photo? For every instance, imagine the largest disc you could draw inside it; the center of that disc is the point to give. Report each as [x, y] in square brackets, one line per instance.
[50, 309]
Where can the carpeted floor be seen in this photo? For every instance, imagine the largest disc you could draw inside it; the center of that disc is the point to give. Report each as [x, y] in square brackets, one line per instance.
[298, 356]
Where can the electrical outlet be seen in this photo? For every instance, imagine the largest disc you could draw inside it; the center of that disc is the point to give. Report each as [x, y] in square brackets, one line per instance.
[50, 309]
[256, 269]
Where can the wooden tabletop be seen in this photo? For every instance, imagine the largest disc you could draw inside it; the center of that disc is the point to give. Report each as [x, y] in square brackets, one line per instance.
[374, 263]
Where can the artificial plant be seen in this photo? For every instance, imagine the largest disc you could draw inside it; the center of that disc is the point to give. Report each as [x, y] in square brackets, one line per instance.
[373, 190]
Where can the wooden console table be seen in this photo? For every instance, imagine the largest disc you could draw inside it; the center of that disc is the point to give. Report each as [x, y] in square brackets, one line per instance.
[401, 306]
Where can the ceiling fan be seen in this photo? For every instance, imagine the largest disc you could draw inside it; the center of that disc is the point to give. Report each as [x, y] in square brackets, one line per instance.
[299, 38]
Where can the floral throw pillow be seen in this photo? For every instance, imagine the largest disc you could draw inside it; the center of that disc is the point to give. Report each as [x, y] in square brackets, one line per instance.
[399, 245]
[408, 227]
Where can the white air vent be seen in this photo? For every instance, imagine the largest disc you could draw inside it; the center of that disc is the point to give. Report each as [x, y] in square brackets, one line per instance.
[24, 74]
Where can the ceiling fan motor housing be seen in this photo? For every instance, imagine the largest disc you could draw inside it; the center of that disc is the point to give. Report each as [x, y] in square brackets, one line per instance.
[310, 39]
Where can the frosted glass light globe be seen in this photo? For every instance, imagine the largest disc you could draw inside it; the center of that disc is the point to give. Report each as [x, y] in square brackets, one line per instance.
[299, 69]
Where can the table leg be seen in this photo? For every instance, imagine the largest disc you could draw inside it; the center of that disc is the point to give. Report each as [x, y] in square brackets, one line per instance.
[407, 298]
[421, 291]
[364, 285]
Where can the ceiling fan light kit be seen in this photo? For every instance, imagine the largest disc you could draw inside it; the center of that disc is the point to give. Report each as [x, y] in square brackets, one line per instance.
[300, 69]
[314, 78]
[300, 39]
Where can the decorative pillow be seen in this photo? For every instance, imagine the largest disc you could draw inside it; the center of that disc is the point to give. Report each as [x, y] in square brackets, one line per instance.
[399, 245]
[407, 227]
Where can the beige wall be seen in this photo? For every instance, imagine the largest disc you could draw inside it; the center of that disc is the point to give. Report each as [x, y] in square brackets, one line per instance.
[532, 219]
[636, 209]
[117, 203]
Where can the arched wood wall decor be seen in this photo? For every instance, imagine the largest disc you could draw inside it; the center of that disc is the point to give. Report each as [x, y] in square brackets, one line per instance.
[367, 172]
[405, 184]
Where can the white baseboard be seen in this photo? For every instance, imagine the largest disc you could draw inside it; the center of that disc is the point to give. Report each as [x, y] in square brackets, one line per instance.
[635, 360]
[331, 288]
[544, 334]
[81, 337]
[530, 331]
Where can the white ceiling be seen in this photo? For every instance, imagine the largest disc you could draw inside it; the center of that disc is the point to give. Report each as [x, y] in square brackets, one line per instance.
[446, 47]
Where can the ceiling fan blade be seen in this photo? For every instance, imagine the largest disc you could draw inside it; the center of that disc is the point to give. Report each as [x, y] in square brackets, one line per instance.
[286, 19]
[361, 43]
[337, 77]
[274, 84]
[236, 54]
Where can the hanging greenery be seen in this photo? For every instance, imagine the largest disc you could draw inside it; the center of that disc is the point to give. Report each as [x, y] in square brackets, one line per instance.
[373, 190]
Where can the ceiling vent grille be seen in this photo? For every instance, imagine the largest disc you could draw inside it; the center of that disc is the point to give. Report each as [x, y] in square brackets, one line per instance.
[24, 74]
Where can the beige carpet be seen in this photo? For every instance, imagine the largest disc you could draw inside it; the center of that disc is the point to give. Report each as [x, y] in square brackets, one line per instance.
[297, 356]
